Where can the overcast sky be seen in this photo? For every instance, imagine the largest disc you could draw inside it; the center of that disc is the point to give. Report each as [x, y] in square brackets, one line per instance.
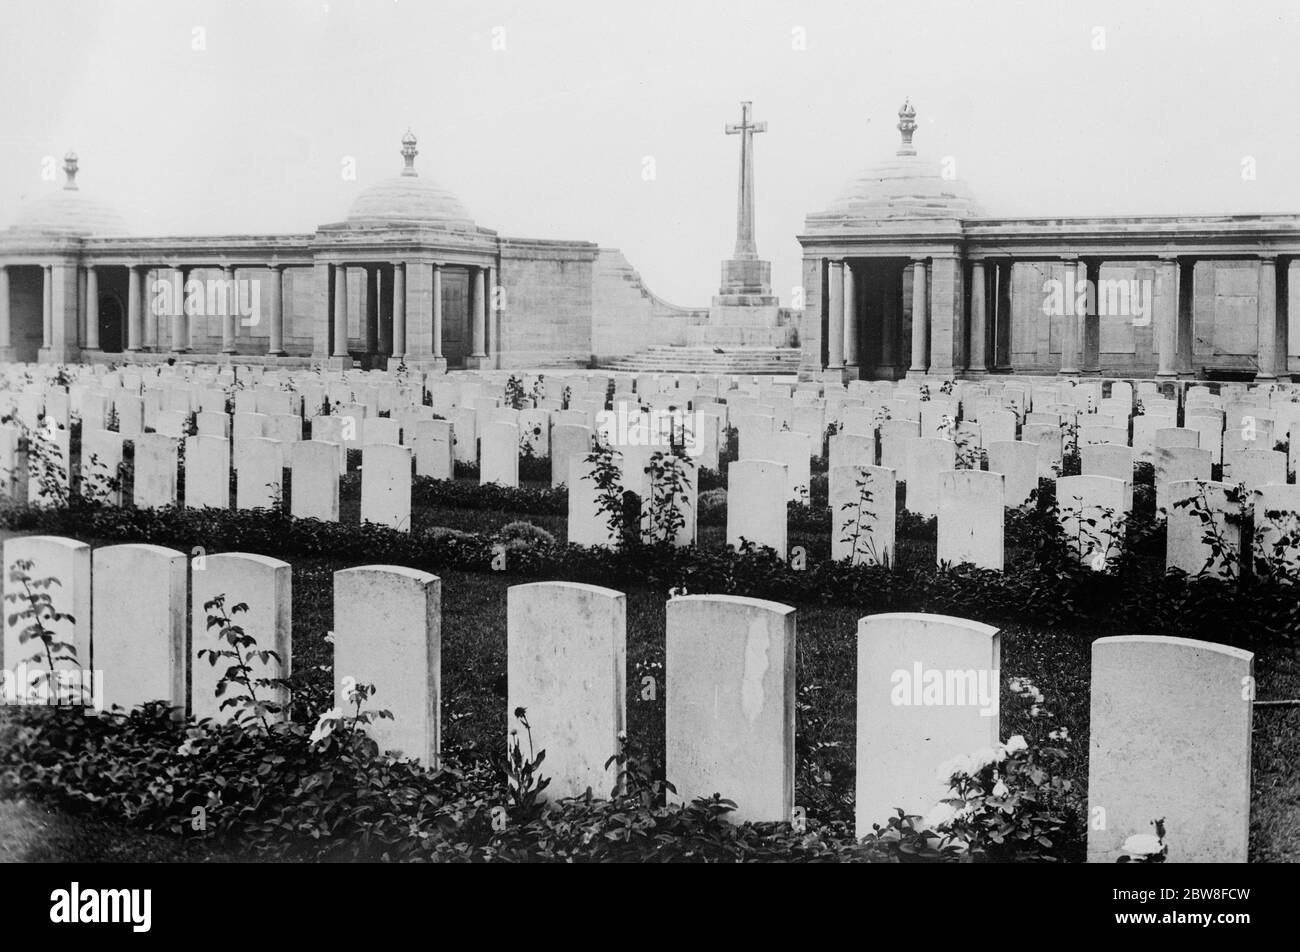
[236, 117]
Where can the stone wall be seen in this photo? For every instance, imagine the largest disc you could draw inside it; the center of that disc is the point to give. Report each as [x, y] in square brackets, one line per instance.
[628, 317]
[546, 316]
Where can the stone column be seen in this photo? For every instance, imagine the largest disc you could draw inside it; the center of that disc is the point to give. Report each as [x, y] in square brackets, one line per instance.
[1070, 322]
[437, 311]
[835, 320]
[978, 321]
[1267, 318]
[1091, 363]
[943, 312]
[180, 320]
[133, 308]
[811, 334]
[340, 310]
[478, 356]
[1166, 330]
[80, 339]
[6, 339]
[47, 306]
[372, 311]
[920, 320]
[493, 324]
[148, 314]
[92, 307]
[275, 348]
[399, 310]
[232, 308]
[851, 356]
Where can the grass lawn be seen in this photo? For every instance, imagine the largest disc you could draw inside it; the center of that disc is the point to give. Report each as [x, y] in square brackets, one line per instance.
[474, 693]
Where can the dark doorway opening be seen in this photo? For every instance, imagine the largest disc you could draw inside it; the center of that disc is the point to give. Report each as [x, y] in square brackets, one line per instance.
[456, 341]
[110, 324]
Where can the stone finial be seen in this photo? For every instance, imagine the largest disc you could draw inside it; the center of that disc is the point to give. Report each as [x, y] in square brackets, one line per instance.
[70, 170]
[907, 125]
[409, 152]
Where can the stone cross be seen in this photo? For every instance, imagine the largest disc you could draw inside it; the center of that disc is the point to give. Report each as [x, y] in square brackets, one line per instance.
[745, 247]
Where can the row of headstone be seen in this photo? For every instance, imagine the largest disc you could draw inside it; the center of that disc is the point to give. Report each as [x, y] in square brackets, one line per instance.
[1166, 712]
[134, 636]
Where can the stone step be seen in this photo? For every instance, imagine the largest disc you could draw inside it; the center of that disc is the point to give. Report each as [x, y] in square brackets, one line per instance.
[703, 360]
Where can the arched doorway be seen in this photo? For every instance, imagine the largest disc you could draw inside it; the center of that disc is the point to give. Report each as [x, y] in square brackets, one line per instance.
[110, 324]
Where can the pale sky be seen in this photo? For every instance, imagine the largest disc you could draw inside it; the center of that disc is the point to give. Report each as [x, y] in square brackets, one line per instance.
[547, 138]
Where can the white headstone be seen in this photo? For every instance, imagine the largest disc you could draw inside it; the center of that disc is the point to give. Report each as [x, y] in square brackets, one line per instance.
[1166, 714]
[156, 462]
[971, 515]
[51, 557]
[207, 472]
[139, 630]
[566, 659]
[386, 486]
[259, 474]
[500, 454]
[730, 703]
[756, 498]
[1018, 462]
[388, 633]
[265, 585]
[928, 688]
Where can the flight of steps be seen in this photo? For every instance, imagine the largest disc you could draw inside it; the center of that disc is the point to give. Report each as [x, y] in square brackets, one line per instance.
[704, 360]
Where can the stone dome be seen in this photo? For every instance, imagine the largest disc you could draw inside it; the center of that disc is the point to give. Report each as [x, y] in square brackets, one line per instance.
[409, 198]
[904, 186]
[69, 213]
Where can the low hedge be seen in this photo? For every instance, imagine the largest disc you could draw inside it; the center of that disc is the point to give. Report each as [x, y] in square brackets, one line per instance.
[1049, 588]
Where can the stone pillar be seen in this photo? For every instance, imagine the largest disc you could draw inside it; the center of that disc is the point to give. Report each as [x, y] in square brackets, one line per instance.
[920, 320]
[437, 311]
[148, 312]
[1091, 363]
[133, 308]
[372, 311]
[80, 340]
[399, 311]
[810, 327]
[943, 312]
[6, 339]
[1070, 322]
[835, 320]
[275, 348]
[976, 363]
[1167, 328]
[92, 307]
[180, 320]
[478, 356]
[851, 356]
[1267, 318]
[232, 308]
[490, 344]
[47, 306]
[340, 310]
